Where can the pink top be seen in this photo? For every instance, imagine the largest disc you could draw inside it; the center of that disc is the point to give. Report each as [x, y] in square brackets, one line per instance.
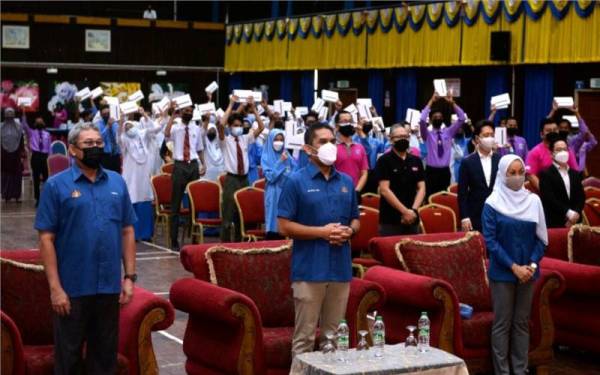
[60, 118]
[540, 158]
[351, 160]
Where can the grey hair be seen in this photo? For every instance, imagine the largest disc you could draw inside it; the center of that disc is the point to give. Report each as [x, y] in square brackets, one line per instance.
[75, 130]
[396, 126]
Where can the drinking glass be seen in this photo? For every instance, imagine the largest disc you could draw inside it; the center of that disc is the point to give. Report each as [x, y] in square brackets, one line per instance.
[363, 346]
[328, 349]
[411, 342]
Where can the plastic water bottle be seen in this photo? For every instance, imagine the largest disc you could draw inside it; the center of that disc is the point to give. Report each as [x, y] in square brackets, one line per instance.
[378, 336]
[423, 332]
[343, 340]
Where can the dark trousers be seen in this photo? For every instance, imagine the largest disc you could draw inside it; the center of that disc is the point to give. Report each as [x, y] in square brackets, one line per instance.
[398, 229]
[95, 321]
[111, 162]
[436, 179]
[39, 170]
[183, 174]
[230, 216]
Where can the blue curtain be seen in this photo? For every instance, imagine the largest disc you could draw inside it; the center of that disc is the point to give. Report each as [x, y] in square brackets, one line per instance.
[285, 86]
[496, 83]
[537, 101]
[290, 8]
[215, 11]
[348, 4]
[406, 92]
[235, 82]
[375, 89]
[307, 88]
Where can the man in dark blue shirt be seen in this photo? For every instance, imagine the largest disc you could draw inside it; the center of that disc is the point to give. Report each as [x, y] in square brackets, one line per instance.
[109, 128]
[85, 221]
[318, 209]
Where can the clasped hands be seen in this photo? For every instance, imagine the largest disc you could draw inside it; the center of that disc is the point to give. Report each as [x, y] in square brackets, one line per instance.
[523, 273]
[337, 234]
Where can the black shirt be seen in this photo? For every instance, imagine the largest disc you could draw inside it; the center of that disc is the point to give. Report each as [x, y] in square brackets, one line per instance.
[403, 175]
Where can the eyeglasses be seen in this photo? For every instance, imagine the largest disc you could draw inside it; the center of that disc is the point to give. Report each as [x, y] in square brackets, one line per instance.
[90, 143]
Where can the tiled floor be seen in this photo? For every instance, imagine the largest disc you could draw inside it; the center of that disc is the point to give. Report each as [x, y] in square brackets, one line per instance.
[158, 268]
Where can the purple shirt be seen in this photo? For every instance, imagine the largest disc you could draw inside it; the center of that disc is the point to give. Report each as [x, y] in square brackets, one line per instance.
[576, 141]
[39, 140]
[518, 147]
[431, 138]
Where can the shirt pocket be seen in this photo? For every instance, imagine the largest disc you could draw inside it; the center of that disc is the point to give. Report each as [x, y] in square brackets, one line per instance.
[113, 208]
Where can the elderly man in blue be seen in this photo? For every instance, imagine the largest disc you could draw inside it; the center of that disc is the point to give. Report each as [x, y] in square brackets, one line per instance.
[85, 222]
[318, 209]
[514, 228]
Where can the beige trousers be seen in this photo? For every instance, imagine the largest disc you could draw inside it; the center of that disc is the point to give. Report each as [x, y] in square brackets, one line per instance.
[312, 301]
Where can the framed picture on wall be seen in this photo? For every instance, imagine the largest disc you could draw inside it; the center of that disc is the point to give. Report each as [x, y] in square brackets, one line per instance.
[15, 36]
[97, 40]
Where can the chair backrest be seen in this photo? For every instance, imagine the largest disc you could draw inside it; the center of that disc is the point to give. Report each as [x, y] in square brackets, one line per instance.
[591, 212]
[370, 200]
[205, 196]
[260, 183]
[57, 163]
[221, 179]
[453, 188]
[447, 199]
[591, 181]
[592, 192]
[369, 228]
[162, 187]
[437, 219]
[167, 168]
[58, 147]
[251, 206]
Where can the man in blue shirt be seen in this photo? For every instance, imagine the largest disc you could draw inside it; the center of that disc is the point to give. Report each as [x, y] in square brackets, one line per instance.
[318, 209]
[109, 128]
[85, 222]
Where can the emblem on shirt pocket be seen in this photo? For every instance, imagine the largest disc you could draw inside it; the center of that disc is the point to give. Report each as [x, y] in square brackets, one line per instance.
[75, 194]
[344, 189]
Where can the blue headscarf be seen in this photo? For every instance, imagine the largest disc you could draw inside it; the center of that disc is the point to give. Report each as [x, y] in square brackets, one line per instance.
[270, 160]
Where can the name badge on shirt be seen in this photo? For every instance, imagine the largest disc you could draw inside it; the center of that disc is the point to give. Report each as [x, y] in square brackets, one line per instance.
[75, 194]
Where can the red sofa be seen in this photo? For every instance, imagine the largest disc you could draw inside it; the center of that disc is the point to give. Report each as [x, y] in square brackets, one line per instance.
[408, 294]
[247, 328]
[27, 336]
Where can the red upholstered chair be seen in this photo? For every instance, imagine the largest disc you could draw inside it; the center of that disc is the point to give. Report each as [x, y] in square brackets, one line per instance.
[442, 274]
[437, 219]
[205, 196]
[370, 200]
[250, 203]
[369, 228]
[162, 186]
[58, 147]
[591, 211]
[592, 192]
[260, 184]
[242, 322]
[221, 179]
[57, 163]
[446, 199]
[557, 243]
[27, 338]
[453, 188]
[591, 181]
[583, 245]
[167, 168]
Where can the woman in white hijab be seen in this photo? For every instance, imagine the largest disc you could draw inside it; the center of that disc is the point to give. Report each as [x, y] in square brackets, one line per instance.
[215, 164]
[515, 233]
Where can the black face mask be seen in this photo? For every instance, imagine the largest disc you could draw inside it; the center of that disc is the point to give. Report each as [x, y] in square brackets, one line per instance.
[40, 125]
[551, 137]
[92, 156]
[278, 125]
[467, 131]
[105, 118]
[512, 131]
[246, 130]
[563, 134]
[186, 117]
[367, 128]
[137, 116]
[347, 131]
[211, 136]
[401, 145]
[437, 123]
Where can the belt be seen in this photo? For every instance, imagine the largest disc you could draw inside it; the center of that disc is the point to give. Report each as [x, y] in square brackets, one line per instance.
[187, 162]
[237, 175]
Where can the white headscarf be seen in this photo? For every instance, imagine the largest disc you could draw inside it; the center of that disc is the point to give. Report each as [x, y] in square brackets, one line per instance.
[213, 150]
[521, 204]
[136, 146]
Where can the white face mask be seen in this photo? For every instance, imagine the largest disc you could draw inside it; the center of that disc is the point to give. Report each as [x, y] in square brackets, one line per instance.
[277, 145]
[487, 143]
[327, 153]
[515, 182]
[561, 156]
[236, 131]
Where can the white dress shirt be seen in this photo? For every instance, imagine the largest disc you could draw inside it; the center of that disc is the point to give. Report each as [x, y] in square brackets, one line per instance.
[486, 164]
[229, 149]
[178, 137]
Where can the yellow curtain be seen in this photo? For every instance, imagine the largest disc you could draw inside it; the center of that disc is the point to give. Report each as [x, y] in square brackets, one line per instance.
[573, 39]
[256, 56]
[476, 40]
[305, 54]
[342, 52]
[426, 47]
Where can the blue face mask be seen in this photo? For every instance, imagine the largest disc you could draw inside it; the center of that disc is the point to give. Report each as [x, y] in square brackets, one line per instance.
[236, 131]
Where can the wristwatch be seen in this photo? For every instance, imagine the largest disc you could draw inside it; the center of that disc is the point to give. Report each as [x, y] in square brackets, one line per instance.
[132, 277]
[533, 266]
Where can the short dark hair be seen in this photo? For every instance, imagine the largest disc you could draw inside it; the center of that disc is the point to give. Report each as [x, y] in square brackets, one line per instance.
[337, 116]
[554, 141]
[85, 113]
[311, 114]
[309, 135]
[565, 120]
[235, 116]
[511, 118]
[104, 106]
[545, 122]
[481, 124]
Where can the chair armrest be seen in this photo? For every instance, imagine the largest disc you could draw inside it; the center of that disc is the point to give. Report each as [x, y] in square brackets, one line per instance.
[548, 287]
[137, 319]
[13, 362]
[224, 329]
[364, 296]
[580, 279]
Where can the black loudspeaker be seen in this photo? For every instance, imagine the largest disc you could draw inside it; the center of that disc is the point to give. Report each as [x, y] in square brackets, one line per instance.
[500, 46]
